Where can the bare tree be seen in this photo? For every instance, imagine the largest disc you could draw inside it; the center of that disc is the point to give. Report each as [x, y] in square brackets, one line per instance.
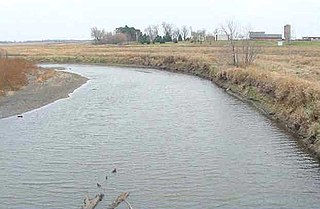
[198, 36]
[216, 31]
[184, 32]
[119, 38]
[176, 32]
[243, 50]
[98, 35]
[152, 31]
[203, 34]
[231, 29]
[194, 36]
[167, 29]
[115, 38]
[250, 50]
[102, 37]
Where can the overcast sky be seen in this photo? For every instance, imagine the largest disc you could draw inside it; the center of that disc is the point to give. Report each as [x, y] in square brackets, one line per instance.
[72, 19]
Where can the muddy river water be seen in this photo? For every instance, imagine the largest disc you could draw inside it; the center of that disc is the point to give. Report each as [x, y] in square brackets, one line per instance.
[177, 141]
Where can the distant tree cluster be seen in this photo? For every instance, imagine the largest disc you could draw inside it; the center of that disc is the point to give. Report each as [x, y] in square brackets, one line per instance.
[131, 33]
[151, 34]
[170, 34]
[243, 51]
[198, 36]
[121, 35]
[99, 36]
[144, 39]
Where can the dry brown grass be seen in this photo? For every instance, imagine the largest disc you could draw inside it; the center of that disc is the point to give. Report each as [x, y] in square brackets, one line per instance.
[284, 79]
[13, 74]
[44, 75]
[299, 61]
[294, 100]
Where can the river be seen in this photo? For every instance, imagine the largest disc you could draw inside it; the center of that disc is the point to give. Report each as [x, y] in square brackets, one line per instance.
[177, 141]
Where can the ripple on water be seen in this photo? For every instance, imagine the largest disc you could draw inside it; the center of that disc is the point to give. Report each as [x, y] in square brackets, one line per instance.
[177, 142]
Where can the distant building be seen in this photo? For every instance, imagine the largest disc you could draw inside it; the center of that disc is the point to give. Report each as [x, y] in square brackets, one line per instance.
[221, 37]
[311, 38]
[264, 36]
[210, 38]
[287, 33]
[280, 43]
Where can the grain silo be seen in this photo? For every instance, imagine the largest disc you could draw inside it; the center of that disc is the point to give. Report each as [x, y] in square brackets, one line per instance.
[287, 33]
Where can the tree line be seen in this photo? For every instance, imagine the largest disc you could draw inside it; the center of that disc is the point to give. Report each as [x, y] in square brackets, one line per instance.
[242, 50]
[150, 35]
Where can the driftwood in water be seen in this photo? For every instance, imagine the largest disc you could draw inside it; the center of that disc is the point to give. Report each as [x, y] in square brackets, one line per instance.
[121, 198]
[92, 203]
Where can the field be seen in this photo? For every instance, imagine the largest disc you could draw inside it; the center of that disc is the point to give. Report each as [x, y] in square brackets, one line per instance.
[284, 81]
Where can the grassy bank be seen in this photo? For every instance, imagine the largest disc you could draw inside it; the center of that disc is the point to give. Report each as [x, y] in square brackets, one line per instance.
[284, 81]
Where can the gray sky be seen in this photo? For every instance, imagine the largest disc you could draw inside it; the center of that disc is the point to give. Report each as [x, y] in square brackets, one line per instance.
[72, 19]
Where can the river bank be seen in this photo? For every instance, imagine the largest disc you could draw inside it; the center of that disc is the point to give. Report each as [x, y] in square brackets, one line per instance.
[283, 82]
[39, 93]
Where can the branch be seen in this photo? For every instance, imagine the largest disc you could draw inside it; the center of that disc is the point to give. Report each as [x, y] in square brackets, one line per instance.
[126, 201]
[121, 198]
[92, 203]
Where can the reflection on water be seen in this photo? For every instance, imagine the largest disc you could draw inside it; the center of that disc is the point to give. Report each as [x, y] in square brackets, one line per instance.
[177, 142]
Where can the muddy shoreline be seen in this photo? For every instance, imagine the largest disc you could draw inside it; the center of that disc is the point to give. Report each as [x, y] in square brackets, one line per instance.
[39, 94]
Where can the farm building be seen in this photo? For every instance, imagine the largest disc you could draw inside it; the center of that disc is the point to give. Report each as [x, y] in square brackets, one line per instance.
[311, 38]
[287, 33]
[221, 37]
[264, 36]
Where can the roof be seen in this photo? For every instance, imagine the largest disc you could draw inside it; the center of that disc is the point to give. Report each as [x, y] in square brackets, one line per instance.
[264, 35]
[314, 37]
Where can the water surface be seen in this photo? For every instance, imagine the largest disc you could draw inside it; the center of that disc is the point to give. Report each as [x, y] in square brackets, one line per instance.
[177, 142]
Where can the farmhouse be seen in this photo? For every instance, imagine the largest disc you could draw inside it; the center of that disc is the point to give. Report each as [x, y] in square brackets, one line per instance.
[222, 37]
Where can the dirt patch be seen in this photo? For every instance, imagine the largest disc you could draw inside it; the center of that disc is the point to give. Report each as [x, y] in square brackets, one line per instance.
[45, 87]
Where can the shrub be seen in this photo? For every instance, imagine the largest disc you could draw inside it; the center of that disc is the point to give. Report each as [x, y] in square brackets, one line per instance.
[13, 74]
